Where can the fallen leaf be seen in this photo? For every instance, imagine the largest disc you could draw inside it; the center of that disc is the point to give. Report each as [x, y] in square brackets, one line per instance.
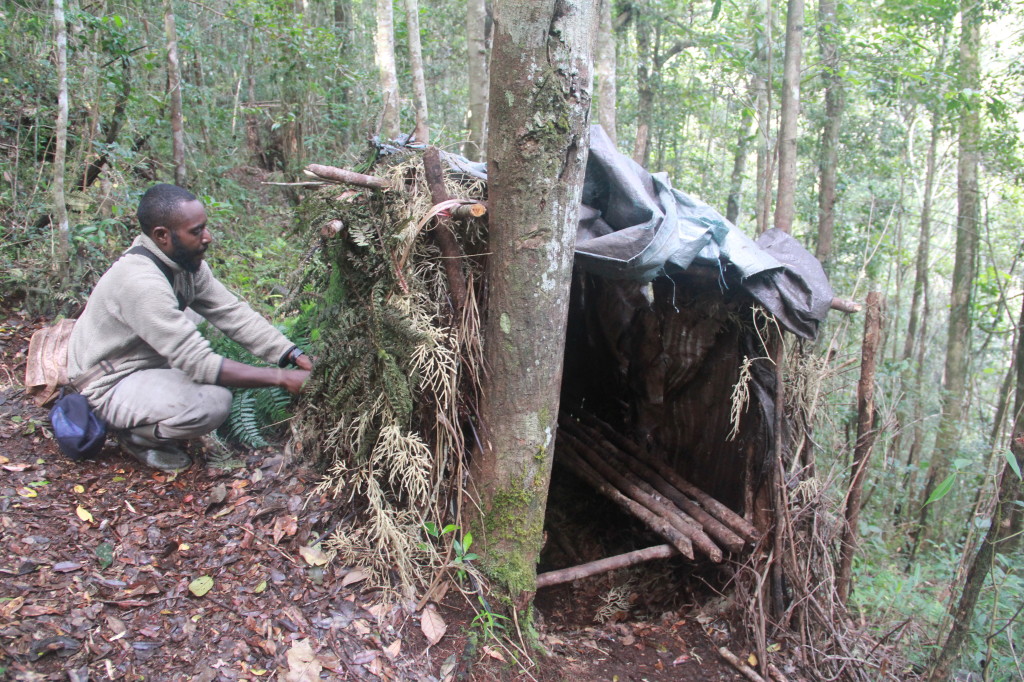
[448, 667]
[392, 650]
[60, 645]
[224, 511]
[10, 608]
[682, 658]
[302, 663]
[84, 514]
[284, 525]
[66, 566]
[494, 653]
[314, 556]
[260, 588]
[27, 492]
[218, 493]
[432, 625]
[752, 660]
[21, 466]
[32, 610]
[200, 585]
[353, 577]
[79, 488]
[105, 554]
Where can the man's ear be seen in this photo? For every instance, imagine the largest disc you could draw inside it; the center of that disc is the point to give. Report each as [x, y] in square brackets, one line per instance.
[161, 235]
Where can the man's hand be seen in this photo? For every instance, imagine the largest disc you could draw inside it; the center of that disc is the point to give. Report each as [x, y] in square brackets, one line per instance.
[293, 379]
[304, 362]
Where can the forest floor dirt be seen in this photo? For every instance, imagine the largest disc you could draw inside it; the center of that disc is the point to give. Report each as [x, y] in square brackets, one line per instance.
[97, 559]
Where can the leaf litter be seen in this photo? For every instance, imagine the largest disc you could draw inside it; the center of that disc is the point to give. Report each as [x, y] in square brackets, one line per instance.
[100, 561]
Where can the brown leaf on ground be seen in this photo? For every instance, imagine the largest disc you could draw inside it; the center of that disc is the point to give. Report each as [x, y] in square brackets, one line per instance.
[303, 665]
[432, 624]
[284, 525]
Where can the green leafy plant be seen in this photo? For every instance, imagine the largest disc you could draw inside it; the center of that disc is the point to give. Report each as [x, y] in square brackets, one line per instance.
[463, 556]
[256, 413]
[492, 625]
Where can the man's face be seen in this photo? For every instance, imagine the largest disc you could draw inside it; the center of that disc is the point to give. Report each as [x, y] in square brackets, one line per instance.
[189, 236]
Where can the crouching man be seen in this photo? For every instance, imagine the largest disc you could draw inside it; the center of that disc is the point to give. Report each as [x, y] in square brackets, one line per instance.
[138, 357]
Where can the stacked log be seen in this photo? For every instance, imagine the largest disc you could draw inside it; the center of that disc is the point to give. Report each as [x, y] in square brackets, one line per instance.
[648, 489]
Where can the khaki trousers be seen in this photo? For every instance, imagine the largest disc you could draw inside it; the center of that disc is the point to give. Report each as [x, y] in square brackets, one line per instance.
[164, 404]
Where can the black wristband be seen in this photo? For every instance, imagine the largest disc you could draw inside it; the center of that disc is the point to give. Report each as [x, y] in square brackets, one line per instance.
[290, 357]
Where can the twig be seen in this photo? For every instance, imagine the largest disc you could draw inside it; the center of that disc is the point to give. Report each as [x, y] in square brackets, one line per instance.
[747, 671]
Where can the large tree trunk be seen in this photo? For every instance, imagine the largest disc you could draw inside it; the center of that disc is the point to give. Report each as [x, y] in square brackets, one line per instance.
[834, 105]
[785, 203]
[419, 85]
[477, 39]
[384, 43]
[60, 209]
[606, 70]
[958, 339]
[538, 142]
[174, 90]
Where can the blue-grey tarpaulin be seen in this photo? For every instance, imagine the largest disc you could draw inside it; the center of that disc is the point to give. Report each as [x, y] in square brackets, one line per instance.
[635, 225]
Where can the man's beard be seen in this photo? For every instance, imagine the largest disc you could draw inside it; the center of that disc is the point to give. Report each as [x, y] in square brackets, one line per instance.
[189, 260]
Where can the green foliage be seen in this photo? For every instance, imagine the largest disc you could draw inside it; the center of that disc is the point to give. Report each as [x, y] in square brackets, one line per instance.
[257, 414]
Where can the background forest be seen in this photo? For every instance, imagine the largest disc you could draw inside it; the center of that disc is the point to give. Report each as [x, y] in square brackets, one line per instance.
[889, 92]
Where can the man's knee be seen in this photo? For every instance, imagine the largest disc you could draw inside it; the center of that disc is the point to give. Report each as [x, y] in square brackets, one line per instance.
[217, 402]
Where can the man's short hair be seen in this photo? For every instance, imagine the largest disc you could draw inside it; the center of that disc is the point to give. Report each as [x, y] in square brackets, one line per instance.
[159, 203]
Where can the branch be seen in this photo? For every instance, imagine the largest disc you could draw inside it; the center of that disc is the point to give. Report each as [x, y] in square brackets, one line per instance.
[348, 177]
[747, 671]
[443, 234]
[658, 525]
[611, 563]
[845, 306]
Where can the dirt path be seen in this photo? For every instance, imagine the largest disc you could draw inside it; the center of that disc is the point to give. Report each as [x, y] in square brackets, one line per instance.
[101, 563]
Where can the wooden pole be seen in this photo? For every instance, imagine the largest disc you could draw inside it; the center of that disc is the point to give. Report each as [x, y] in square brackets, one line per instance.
[659, 525]
[348, 177]
[443, 234]
[634, 489]
[564, 575]
[712, 526]
[743, 527]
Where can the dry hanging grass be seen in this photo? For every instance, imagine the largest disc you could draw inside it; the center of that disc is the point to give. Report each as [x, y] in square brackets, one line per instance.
[396, 379]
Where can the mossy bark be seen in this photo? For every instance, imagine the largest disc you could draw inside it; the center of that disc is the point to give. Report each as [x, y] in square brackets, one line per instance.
[538, 141]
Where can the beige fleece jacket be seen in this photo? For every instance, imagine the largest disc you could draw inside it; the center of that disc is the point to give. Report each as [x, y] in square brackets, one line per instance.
[132, 319]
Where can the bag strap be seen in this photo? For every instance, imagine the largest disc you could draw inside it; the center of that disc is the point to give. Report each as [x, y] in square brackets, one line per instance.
[101, 368]
[164, 268]
[104, 367]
